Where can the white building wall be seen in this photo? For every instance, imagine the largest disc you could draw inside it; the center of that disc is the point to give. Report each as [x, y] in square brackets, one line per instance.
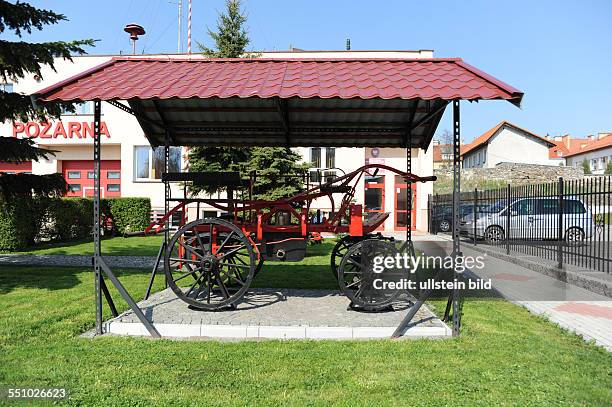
[598, 160]
[517, 147]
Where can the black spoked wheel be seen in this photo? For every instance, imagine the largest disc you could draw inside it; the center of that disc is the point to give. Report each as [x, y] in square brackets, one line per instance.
[338, 253]
[209, 263]
[360, 280]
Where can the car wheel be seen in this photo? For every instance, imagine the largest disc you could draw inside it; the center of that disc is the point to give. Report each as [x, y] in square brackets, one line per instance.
[494, 235]
[444, 226]
[574, 236]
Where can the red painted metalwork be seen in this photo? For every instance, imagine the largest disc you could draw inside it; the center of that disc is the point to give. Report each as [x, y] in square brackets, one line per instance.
[255, 216]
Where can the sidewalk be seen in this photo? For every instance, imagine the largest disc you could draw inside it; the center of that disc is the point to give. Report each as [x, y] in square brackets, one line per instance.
[574, 308]
[63, 260]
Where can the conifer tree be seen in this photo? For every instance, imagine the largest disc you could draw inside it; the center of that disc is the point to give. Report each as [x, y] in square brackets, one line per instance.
[18, 59]
[231, 40]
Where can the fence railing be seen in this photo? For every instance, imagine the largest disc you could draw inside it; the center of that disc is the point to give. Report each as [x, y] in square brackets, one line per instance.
[568, 222]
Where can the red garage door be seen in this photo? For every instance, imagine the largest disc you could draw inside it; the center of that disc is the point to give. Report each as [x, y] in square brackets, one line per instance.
[80, 176]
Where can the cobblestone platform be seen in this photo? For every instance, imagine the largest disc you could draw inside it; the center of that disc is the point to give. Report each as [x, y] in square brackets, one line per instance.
[276, 314]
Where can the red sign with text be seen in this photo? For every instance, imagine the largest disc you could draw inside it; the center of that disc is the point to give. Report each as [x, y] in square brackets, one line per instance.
[67, 130]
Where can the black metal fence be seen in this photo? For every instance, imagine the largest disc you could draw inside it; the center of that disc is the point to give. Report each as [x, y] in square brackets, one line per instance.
[568, 222]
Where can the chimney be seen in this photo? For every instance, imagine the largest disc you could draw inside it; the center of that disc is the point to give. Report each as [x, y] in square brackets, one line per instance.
[590, 137]
[566, 140]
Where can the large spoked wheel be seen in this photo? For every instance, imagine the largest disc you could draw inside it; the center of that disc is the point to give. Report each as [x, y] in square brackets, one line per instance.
[361, 282]
[210, 263]
[338, 253]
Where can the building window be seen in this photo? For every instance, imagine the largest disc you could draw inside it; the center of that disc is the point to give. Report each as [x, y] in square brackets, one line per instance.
[315, 157]
[6, 87]
[113, 187]
[75, 187]
[74, 174]
[594, 164]
[149, 162]
[330, 157]
[209, 214]
[90, 175]
[113, 174]
[478, 159]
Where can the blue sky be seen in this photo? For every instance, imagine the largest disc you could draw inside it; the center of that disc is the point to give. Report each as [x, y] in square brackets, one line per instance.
[558, 52]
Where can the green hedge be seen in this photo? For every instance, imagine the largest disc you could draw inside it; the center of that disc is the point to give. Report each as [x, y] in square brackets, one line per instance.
[20, 221]
[128, 214]
[24, 221]
[67, 219]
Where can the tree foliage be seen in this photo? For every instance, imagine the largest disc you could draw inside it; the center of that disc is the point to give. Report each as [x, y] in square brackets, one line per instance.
[278, 170]
[18, 59]
[586, 166]
[231, 39]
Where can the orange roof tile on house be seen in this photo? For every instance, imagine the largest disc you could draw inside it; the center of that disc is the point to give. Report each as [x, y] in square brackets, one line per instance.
[587, 145]
[487, 135]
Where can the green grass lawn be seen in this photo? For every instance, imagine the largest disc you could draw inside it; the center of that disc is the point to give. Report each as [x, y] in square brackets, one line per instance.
[504, 355]
[115, 246]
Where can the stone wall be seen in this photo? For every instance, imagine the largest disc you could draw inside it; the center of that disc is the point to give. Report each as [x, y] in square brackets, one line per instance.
[504, 173]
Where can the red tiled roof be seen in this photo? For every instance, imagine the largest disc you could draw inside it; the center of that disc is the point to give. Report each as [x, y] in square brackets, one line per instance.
[164, 78]
[486, 136]
[587, 145]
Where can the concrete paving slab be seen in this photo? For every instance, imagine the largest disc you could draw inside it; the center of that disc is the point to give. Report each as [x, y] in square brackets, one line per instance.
[276, 314]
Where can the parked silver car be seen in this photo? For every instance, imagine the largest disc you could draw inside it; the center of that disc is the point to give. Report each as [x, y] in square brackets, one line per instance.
[532, 219]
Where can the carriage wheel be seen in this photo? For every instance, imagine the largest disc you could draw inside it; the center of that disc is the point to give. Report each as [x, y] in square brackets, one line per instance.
[359, 282]
[338, 253]
[209, 263]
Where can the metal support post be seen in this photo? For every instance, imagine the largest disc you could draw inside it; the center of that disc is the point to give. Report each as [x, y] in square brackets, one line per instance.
[475, 213]
[167, 194]
[456, 204]
[560, 224]
[508, 215]
[96, 220]
[408, 245]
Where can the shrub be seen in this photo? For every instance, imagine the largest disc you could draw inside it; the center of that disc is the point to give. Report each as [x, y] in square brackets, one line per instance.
[20, 220]
[66, 219]
[608, 168]
[128, 214]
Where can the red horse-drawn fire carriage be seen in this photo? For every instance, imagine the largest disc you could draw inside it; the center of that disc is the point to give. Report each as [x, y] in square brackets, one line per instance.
[210, 262]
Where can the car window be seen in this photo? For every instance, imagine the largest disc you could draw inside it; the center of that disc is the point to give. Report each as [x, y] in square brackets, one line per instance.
[573, 206]
[524, 207]
[547, 207]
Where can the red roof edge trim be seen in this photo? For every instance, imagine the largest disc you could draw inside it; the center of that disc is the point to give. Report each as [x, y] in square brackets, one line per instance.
[52, 88]
[280, 60]
[517, 94]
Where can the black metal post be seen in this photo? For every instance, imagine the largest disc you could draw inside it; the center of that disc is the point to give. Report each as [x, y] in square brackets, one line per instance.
[96, 214]
[168, 222]
[508, 215]
[456, 204]
[560, 224]
[410, 246]
[475, 211]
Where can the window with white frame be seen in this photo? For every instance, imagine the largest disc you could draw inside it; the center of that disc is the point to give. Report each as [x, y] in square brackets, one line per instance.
[594, 164]
[149, 163]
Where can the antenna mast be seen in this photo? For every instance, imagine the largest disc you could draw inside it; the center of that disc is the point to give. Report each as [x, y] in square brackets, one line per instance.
[189, 29]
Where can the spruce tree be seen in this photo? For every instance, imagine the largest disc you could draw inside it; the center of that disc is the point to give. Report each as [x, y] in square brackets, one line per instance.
[18, 59]
[231, 40]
